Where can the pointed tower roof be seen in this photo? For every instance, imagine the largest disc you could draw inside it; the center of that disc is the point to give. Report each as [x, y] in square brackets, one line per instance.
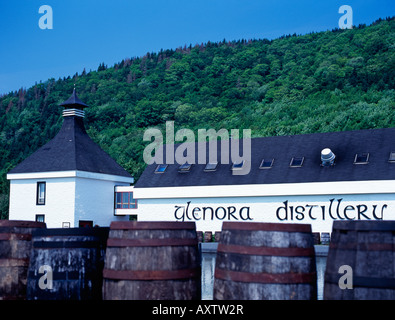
[73, 102]
[71, 148]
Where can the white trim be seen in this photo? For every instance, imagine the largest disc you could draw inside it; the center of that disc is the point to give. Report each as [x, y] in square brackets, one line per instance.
[124, 188]
[102, 176]
[262, 190]
[73, 112]
[69, 174]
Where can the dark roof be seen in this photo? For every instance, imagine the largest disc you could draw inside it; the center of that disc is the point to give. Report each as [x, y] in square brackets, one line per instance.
[71, 149]
[377, 142]
[74, 102]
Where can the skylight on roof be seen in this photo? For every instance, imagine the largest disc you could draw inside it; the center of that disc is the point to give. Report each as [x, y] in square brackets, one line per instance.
[211, 166]
[296, 162]
[392, 157]
[161, 168]
[266, 164]
[361, 158]
[186, 167]
[238, 165]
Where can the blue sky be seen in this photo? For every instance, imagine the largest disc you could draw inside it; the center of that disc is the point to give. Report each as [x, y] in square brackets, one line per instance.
[88, 32]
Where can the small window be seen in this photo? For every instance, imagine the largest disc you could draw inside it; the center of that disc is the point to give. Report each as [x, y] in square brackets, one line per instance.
[392, 157]
[296, 162]
[118, 200]
[161, 168]
[211, 166]
[266, 164]
[238, 165]
[124, 200]
[361, 158]
[40, 199]
[40, 218]
[186, 167]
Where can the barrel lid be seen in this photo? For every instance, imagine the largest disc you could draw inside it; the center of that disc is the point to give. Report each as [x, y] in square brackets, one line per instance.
[97, 231]
[152, 225]
[267, 226]
[364, 225]
[22, 224]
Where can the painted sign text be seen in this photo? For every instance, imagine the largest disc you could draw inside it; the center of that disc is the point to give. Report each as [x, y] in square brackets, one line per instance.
[229, 213]
[333, 210]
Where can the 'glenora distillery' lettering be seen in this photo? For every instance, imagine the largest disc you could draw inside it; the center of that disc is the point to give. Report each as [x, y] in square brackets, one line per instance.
[208, 213]
[334, 210]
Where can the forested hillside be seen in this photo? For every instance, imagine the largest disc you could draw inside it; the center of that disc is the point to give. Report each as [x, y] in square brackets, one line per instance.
[327, 81]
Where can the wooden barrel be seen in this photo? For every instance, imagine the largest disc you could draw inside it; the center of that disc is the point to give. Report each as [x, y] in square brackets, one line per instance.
[67, 264]
[152, 261]
[265, 261]
[15, 247]
[368, 247]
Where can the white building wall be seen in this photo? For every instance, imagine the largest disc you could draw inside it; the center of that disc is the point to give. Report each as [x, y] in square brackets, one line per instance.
[59, 201]
[70, 196]
[94, 200]
[319, 211]
[318, 204]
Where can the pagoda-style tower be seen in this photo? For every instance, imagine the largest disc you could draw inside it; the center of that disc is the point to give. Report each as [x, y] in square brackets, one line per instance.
[70, 180]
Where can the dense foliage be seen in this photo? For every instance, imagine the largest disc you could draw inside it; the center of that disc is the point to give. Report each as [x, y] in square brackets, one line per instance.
[327, 81]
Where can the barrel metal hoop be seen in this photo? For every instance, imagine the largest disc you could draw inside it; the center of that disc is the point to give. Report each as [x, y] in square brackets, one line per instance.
[269, 278]
[65, 244]
[366, 282]
[362, 246]
[15, 236]
[364, 225]
[22, 224]
[12, 298]
[151, 274]
[71, 232]
[11, 262]
[118, 242]
[266, 251]
[67, 275]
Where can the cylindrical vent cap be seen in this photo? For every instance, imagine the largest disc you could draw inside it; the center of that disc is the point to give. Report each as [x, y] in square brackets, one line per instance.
[327, 157]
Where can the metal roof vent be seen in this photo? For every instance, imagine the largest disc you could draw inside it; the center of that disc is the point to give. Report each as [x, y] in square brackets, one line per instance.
[327, 157]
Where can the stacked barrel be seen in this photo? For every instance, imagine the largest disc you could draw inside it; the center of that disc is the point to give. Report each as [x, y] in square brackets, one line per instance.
[361, 261]
[265, 261]
[152, 261]
[161, 260]
[67, 264]
[15, 247]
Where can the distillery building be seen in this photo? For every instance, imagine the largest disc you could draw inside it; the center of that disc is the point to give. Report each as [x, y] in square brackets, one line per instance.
[313, 178]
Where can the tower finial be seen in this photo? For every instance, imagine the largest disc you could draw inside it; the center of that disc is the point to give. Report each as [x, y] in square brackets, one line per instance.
[73, 106]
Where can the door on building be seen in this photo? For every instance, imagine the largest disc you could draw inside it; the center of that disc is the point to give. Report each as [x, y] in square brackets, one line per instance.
[85, 223]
